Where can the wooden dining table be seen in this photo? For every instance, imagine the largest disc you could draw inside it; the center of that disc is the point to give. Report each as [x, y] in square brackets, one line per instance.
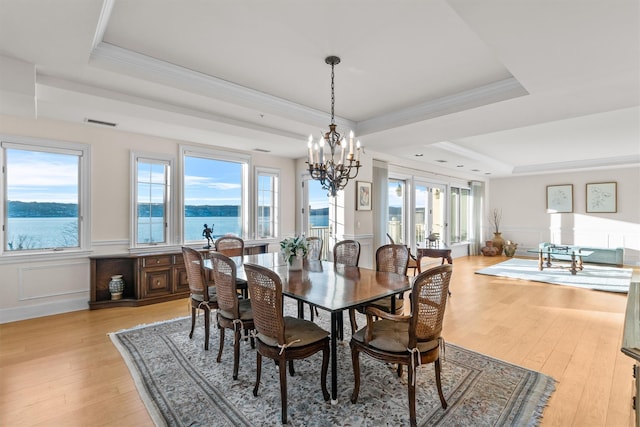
[331, 287]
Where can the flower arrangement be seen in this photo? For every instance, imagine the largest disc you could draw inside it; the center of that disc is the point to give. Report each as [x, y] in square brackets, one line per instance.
[294, 246]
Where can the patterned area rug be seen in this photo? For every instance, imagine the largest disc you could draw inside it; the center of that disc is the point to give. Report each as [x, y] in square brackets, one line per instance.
[598, 277]
[182, 385]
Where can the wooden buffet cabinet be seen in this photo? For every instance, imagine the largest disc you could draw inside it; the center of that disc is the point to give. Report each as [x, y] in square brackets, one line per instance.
[149, 278]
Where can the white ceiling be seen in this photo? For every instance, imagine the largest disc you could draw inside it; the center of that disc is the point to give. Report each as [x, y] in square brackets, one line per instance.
[493, 88]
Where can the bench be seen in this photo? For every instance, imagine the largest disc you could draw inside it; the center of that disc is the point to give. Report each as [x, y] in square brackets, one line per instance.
[612, 256]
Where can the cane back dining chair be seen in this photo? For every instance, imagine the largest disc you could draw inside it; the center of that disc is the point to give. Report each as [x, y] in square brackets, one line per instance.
[411, 340]
[232, 246]
[282, 338]
[233, 313]
[203, 292]
[389, 259]
[413, 261]
[347, 252]
[314, 253]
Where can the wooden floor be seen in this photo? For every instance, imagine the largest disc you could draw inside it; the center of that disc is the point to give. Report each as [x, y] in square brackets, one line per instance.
[64, 371]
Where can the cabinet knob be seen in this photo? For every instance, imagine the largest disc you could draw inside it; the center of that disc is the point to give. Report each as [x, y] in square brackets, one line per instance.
[158, 282]
[157, 261]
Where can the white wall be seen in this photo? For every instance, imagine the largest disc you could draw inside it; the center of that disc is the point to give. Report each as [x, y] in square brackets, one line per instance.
[45, 285]
[526, 222]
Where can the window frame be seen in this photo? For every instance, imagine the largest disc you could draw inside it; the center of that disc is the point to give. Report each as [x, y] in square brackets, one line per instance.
[169, 198]
[246, 210]
[455, 214]
[83, 151]
[275, 215]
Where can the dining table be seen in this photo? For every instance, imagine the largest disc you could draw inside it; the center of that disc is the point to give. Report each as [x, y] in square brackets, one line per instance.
[328, 286]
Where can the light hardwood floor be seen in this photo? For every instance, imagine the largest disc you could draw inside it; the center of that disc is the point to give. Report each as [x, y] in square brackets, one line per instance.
[64, 371]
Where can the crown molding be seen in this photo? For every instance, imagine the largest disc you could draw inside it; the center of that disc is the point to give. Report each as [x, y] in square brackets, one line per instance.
[127, 62]
[608, 162]
[483, 95]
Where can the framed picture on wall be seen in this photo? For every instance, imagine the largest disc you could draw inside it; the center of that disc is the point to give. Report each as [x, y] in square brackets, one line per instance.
[560, 198]
[602, 197]
[363, 196]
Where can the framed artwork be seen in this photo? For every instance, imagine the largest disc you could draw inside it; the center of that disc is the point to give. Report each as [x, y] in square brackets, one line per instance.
[560, 198]
[363, 196]
[602, 197]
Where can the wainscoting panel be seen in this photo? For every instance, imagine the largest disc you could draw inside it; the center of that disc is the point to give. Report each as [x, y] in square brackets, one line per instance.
[45, 281]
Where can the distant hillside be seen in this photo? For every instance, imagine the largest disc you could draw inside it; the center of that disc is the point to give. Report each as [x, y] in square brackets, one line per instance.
[41, 210]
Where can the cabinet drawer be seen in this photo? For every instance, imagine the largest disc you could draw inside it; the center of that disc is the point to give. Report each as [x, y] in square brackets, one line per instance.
[153, 261]
[156, 282]
[180, 281]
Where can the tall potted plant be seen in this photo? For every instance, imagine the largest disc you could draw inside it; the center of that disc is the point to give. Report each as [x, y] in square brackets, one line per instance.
[494, 219]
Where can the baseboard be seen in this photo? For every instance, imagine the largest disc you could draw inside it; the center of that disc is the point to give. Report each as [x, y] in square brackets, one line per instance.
[15, 314]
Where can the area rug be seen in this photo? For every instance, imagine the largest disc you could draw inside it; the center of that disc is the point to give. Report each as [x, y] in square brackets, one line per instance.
[182, 385]
[598, 277]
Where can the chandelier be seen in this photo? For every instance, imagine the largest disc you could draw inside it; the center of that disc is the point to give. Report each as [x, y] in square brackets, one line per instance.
[330, 160]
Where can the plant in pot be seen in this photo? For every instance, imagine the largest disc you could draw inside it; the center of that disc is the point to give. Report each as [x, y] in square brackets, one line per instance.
[294, 249]
[494, 219]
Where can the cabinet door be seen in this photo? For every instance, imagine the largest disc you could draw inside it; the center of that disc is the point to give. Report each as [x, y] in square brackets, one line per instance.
[156, 281]
[180, 282]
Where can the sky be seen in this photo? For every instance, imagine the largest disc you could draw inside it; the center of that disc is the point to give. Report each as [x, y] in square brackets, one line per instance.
[34, 176]
[212, 182]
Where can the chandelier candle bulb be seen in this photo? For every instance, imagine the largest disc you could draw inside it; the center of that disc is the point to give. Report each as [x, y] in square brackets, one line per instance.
[321, 151]
[358, 151]
[310, 146]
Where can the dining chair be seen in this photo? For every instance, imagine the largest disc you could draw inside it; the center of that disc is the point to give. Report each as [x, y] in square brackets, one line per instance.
[314, 253]
[413, 261]
[410, 340]
[232, 246]
[315, 248]
[282, 338]
[203, 292]
[233, 313]
[229, 246]
[347, 252]
[389, 259]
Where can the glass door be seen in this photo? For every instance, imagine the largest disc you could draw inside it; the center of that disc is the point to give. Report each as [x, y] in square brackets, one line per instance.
[316, 215]
[430, 212]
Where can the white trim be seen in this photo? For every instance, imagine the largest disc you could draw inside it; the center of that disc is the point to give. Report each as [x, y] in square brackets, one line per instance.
[24, 312]
[275, 173]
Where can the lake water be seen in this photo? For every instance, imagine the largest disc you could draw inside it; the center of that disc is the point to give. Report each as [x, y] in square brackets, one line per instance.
[35, 233]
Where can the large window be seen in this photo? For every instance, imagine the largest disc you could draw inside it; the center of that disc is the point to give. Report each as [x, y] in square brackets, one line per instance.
[152, 195]
[460, 199]
[45, 201]
[267, 204]
[396, 215]
[214, 193]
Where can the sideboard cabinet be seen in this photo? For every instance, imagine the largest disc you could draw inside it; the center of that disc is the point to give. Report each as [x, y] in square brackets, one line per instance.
[149, 278]
[631, 341]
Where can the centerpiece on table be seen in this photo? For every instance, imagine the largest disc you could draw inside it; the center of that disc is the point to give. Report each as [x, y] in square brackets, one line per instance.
[294, 249]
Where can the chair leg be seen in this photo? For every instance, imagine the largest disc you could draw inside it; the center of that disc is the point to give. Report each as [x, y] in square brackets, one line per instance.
[221, 346]
[282, 369]
[323, 372]
[399, 370]
[412, 396]
[193, 321]
[355, 360]
[236, 351]
[292, 371]
[258, 373]
[439, 384]
[207, 327]
[352, 319]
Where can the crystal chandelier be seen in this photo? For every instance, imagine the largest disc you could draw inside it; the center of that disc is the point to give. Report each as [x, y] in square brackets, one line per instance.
[330, 160]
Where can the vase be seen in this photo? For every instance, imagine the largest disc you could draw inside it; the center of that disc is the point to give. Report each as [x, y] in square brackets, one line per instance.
[510, 248]
[489, 250]
[116, 286]
[295, 263]
[498, 242]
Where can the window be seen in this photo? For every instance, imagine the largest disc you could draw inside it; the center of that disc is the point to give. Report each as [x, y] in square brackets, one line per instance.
[460, 199]
[396, 214]
[46, 199]
[152, 195]
[214, 193]
[267, 211]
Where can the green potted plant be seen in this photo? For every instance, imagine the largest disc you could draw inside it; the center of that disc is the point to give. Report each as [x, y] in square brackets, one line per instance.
[294, 249]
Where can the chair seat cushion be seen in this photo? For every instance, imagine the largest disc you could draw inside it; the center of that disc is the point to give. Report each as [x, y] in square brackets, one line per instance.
[298, 332]
[200, 297]
[244, 306]
[392, 336]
